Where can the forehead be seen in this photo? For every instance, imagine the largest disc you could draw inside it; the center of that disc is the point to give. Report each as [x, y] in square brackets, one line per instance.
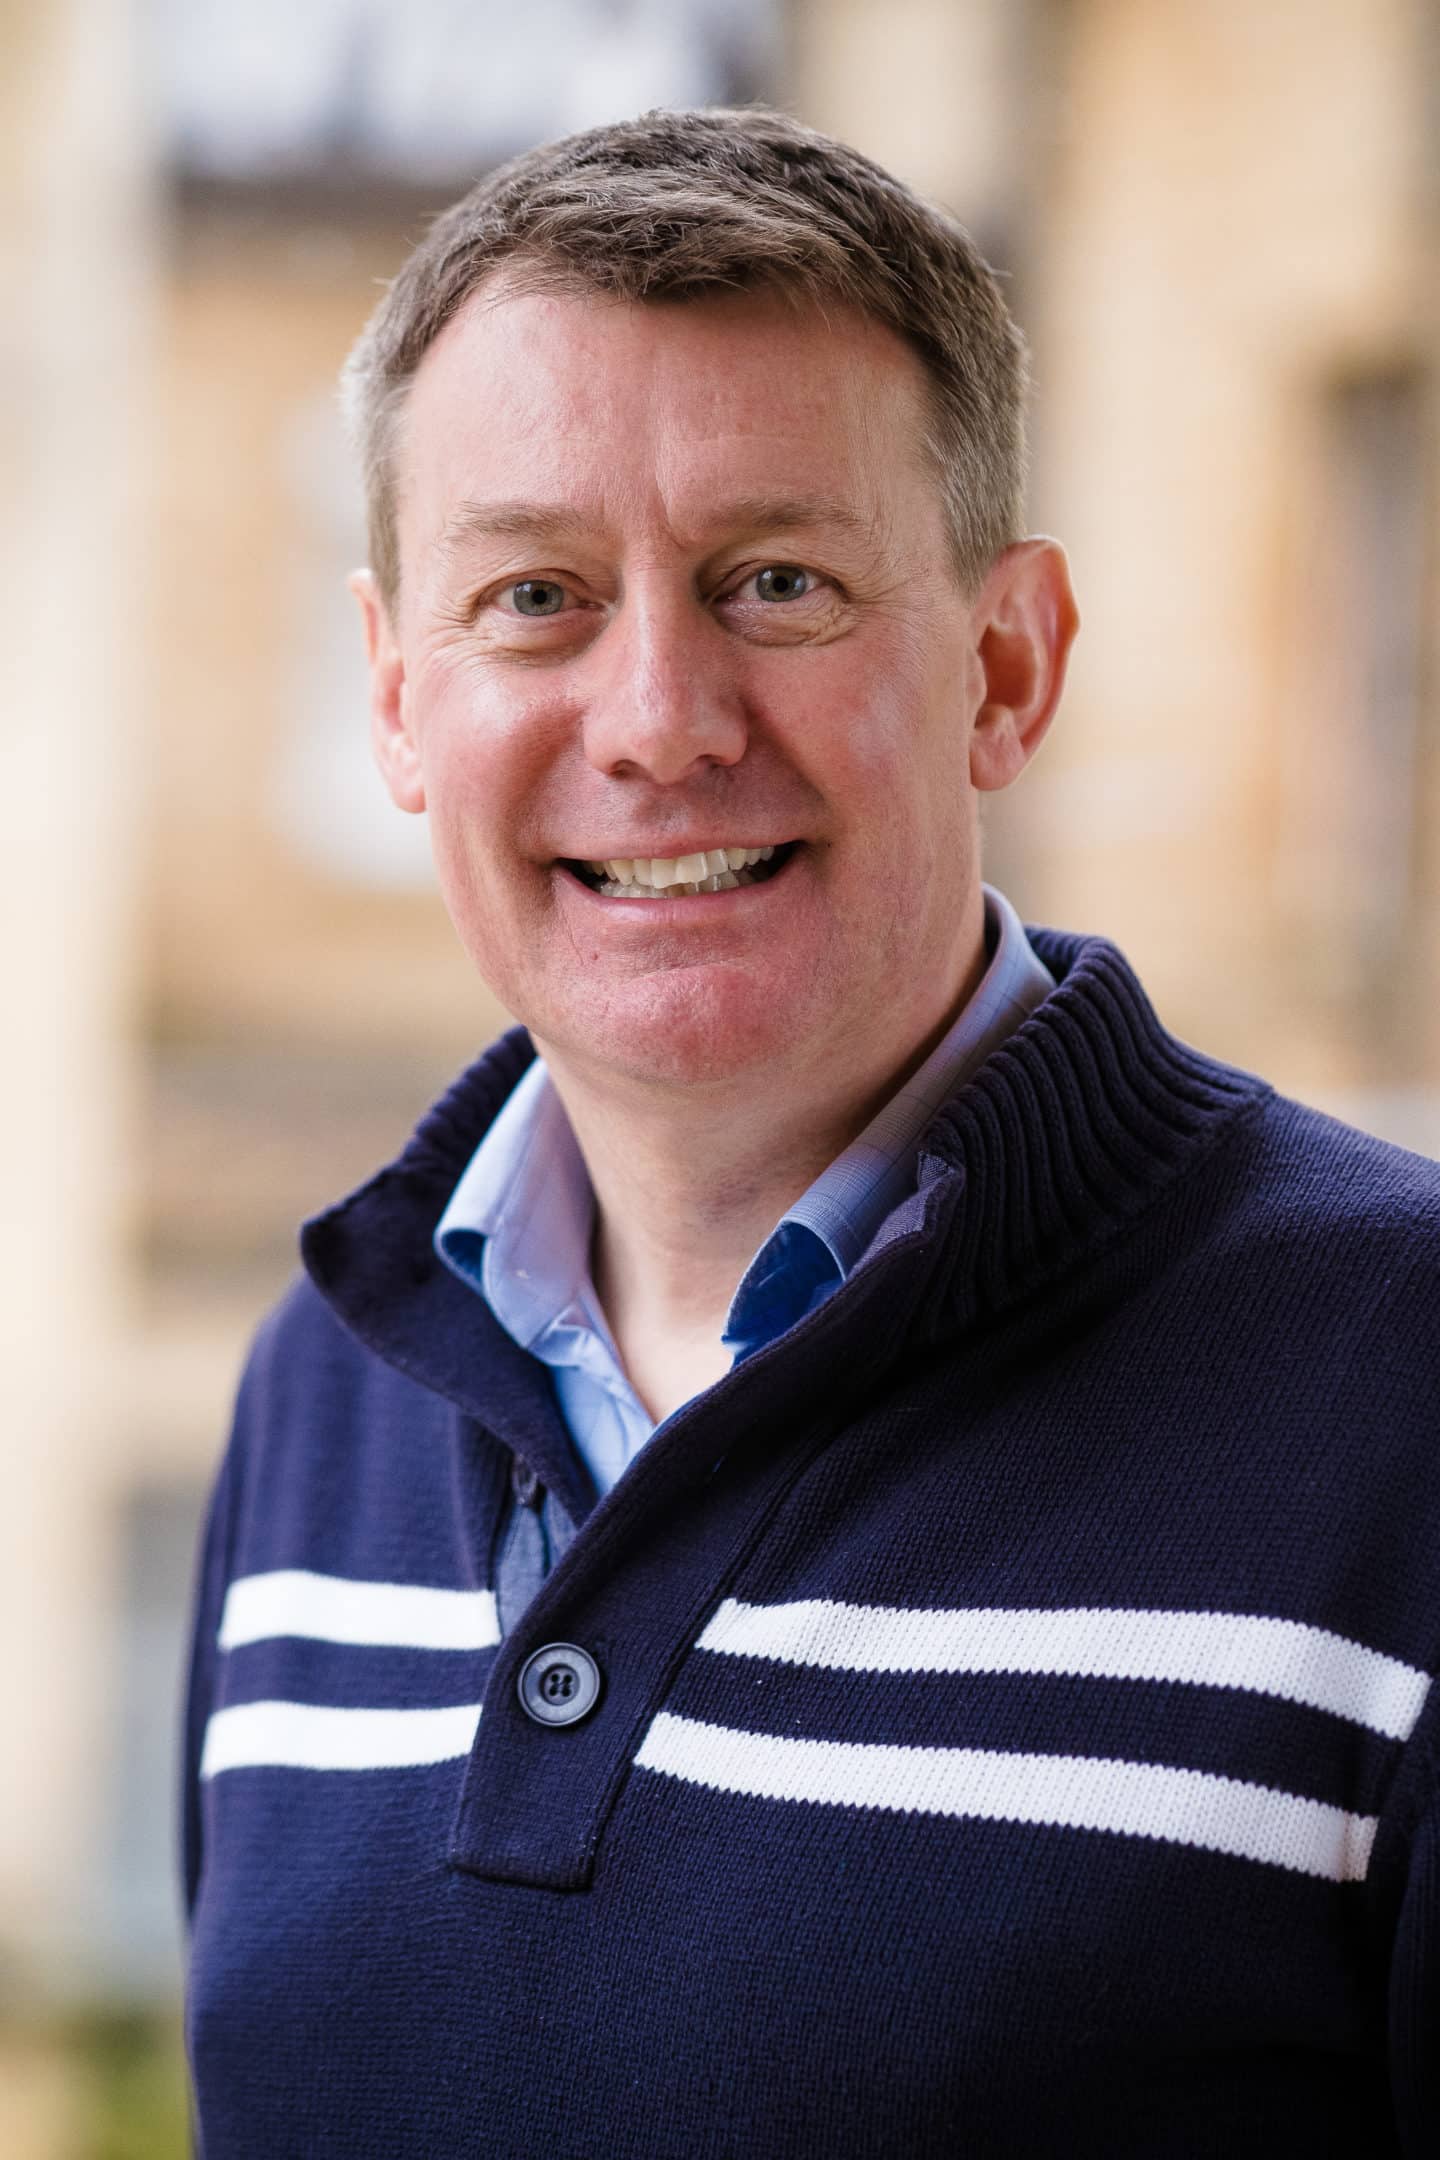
[629, 410]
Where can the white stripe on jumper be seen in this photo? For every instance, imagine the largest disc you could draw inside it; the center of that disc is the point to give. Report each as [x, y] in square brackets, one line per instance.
[304, 1736]
[1076, 1792]
[1211, 1649]
[333, 1608]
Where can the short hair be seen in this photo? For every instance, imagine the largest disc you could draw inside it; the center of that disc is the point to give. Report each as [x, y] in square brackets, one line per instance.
[675, 205]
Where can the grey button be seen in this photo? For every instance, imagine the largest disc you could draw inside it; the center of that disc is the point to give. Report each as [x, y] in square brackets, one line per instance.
[559, 1684]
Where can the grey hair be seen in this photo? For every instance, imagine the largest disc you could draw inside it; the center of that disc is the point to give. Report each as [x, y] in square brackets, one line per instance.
[675, 205]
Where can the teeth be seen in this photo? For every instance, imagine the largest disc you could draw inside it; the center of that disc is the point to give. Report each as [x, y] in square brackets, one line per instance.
[653, 876]
[724, 881]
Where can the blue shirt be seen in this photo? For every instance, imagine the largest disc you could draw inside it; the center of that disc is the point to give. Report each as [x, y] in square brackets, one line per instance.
[519, 1224]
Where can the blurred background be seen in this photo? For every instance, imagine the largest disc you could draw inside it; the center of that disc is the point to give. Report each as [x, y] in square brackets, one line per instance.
[230, 985]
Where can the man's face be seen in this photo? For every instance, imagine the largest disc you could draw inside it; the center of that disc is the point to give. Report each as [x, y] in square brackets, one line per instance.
[675, 579]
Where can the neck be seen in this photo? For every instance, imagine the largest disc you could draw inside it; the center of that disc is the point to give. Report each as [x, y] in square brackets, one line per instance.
[687, 1191]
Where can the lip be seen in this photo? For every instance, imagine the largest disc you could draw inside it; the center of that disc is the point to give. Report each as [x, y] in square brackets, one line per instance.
[665, 850]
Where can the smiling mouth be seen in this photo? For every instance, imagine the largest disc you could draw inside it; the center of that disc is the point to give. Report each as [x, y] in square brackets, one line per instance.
[654, 877]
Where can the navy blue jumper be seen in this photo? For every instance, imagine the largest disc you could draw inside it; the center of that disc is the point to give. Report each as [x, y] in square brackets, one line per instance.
[1016, 1733]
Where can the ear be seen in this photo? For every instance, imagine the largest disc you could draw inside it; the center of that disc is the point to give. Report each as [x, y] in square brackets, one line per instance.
[1025, 621]
[396, 752]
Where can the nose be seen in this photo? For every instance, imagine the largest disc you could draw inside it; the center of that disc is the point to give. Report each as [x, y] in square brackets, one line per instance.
[666, 698]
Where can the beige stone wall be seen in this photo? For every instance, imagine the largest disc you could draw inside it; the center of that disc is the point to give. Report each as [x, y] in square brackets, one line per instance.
[250, 940]
[936, 91]
[1218, 213]
[1238, 218]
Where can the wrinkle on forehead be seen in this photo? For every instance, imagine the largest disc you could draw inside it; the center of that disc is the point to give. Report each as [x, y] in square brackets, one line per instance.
[578, 412]
[771, 515]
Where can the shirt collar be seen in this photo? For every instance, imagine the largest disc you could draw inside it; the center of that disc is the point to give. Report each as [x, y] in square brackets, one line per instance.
[519, 1221]
[852, 1196]
[518, 1224]
[822, 1238]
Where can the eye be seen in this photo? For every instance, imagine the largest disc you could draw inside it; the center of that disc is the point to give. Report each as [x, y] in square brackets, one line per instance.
[534, 596]
[782, 581]
[781, 603]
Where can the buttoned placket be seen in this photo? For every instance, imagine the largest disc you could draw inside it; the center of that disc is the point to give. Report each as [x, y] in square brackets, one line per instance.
[634, 1583]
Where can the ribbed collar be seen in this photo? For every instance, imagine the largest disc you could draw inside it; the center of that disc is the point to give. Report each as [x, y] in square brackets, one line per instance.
[1081, 1121]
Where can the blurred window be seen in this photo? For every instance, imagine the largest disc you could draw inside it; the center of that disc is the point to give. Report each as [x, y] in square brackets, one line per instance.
[1356, 765]
[1378, 427]
[431, 90]
[326, 797]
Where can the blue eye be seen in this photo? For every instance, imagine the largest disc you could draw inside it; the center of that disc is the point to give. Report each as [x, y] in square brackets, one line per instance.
[538, 596]
[781, 581]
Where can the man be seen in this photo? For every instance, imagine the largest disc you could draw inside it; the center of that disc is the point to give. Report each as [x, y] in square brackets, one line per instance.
[843, 1557]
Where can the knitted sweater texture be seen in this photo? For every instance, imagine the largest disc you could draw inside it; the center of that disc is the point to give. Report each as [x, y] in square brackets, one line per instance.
[1015, 1733]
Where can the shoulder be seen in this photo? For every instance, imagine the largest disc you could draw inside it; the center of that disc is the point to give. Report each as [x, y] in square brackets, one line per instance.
[1323, 1243]
[299, 1348]
[301, 1326]
[1303, 1176]
[303, 1341]
[313, 1394]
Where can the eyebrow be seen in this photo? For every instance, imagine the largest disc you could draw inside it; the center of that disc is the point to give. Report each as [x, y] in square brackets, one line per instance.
[519, 520]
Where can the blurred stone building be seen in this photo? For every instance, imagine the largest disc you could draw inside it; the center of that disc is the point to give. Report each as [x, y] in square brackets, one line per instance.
[232, 986]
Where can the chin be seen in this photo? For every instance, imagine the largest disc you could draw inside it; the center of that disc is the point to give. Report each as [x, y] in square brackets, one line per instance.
[682, 1029]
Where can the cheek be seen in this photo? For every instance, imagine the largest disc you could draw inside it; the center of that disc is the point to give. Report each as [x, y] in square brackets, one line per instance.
[485, 747]
[888, 743]
[461, 845]
[470, 811]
